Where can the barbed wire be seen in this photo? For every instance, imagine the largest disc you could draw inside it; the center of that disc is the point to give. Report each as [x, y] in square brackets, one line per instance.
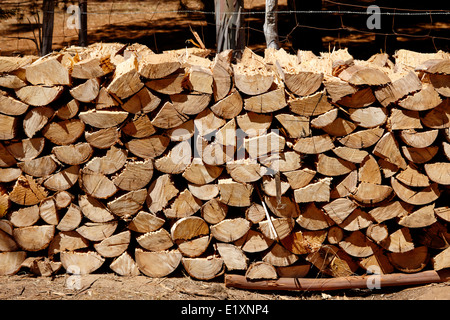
[249, 27]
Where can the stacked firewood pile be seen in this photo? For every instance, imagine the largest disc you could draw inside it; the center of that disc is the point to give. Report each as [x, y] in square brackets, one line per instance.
[116, 158]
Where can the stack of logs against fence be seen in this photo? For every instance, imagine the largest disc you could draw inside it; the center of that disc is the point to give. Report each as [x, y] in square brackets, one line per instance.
[118, 159]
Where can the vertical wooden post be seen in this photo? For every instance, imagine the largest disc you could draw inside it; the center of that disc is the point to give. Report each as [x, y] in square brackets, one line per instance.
[229, 31]
[271, 24]
[82, 36]
[48, 8]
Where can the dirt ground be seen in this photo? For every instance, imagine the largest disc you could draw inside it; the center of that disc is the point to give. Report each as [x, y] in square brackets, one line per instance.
[113, 287]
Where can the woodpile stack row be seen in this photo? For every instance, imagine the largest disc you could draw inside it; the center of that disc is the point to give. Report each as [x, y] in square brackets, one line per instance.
[281, 165]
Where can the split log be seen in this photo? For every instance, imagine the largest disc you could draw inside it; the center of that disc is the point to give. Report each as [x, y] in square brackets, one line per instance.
[39, 167]
[418, 139]
[312, 105]
[11, 106]
[73, 154]
[11, 81]
[81, 263]
[400, 241]
[103, 138]
[128, 204]
[233, 257]
[412, 177]
[415, 197]
[440, 84]
[144, 222]
[156, 66]
[362, 139]
[39, 95]
[425, 99]
[314, 145]
[148, 148]
[124, 265]
[11, 262]
[276, 228]
[419, 155]
[34, 238]
[155, 240]
[314, 192]
[439, 117]
[27, 192]
[135, 175]
[183, 132]
[401, 85]
[377, 232]
[113, 246]
[296, 126]
[24, 217]
[234, 193]
[267, 102]
[369, 117]
[7, 243]
[66, 241]
[9, 174]
[47, 71]
[332, 261]
[160, 192]
[71, 219]
[104, 100]
[144, 101]
[255, 213]
[360, 99]
[404, 119]
[369, 171]
[9, 127]
[254, 124]
[340, 127]
[438, 172]
[184, 205]
[168, 117]
[191, 104]
[339, 209]
[200, 173]
[87, 91]
[325, 119]
[200, 79]
[177, 160]
[441, 260]
[410, 262]
[357, 245]
[171, 84]
[443, 213]
[313, 218]
[63, 180]
[230, 230]
[330, 166]
[92, 68]
[27, 149]
[279, 256]
[361, 75]
[64, 132]
[299, 178]
[103, 119]
[254, 241]
[157, 264]
[48, 211]
[126, 80]
[97, 231]
[357, 220]
[42, 266]
[114, 159]
[387, 211]
[214, 211]
[203, 268]
[204, 192]
[370, 193]
[304, 242]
